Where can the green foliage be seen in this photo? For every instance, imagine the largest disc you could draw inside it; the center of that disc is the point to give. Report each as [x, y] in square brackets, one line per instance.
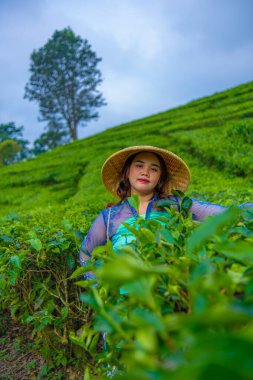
[179, 305]
[19, 150]
[64, 80]
[8, 151]
[37, 255]
[50, 140]
[242, 131]
[228, 148]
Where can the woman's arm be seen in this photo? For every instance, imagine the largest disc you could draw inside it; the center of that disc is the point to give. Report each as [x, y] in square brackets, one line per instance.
[200, 210]
[95, 237]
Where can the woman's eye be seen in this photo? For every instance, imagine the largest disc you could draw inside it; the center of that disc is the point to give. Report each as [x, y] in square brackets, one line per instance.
[154, 170]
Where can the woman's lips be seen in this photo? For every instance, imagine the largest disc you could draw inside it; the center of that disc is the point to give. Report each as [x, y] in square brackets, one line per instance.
[142, 180]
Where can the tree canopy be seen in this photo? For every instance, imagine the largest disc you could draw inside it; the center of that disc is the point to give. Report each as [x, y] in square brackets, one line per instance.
[8, 151]
[50, 140]
[64, 79]
[16, 149]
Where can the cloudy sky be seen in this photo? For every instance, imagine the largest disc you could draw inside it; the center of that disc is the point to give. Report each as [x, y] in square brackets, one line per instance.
[156, 54]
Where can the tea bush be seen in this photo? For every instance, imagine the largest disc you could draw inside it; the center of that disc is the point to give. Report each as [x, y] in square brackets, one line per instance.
[38, 252]
[185, 311]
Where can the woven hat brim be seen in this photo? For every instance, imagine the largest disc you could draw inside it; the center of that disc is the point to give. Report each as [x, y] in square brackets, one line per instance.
[179, 173]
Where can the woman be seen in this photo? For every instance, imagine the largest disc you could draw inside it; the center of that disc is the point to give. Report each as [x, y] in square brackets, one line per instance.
[151, 173]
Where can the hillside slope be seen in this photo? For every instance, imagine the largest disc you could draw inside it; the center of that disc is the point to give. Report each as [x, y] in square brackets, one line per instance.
[213, 134]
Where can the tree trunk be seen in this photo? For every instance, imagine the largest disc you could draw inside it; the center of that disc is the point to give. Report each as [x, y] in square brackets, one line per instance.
[74, 132]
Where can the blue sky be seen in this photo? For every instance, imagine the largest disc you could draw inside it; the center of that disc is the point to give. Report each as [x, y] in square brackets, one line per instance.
[155, 54]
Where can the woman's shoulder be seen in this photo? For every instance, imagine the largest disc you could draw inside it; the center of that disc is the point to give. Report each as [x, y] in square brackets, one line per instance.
[113, 208]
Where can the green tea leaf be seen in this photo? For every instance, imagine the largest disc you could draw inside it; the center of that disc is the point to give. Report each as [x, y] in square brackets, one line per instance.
[64, 312]
[134, 201]
[186, 204]
[70, 261]
[67, 224]
[149, 235]
[36, 244]
[167, 202]
[179, 193]
[127, 268]
[166, 235]
[79, 271]
[213, 226]
[7, 239]
[2, 283]
[241, 251]
[15, 260]
[87, 375]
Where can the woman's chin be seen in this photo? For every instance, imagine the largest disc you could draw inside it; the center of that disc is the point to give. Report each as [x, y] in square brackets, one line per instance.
[142, 192]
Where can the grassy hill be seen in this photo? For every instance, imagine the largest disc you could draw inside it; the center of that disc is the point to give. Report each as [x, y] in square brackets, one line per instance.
[213, 134]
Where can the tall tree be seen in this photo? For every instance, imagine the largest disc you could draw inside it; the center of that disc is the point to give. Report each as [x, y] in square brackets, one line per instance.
[64, 79]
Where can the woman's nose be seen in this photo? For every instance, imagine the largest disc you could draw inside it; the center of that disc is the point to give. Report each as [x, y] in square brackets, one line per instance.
[145, 171]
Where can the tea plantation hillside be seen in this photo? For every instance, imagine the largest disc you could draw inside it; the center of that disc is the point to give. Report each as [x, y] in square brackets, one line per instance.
[213, 134]
[186, 307]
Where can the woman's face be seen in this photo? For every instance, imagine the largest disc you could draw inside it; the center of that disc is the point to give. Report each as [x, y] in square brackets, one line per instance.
[144, 173]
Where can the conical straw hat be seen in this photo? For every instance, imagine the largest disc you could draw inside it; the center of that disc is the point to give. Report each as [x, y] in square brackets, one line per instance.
[178, 171]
